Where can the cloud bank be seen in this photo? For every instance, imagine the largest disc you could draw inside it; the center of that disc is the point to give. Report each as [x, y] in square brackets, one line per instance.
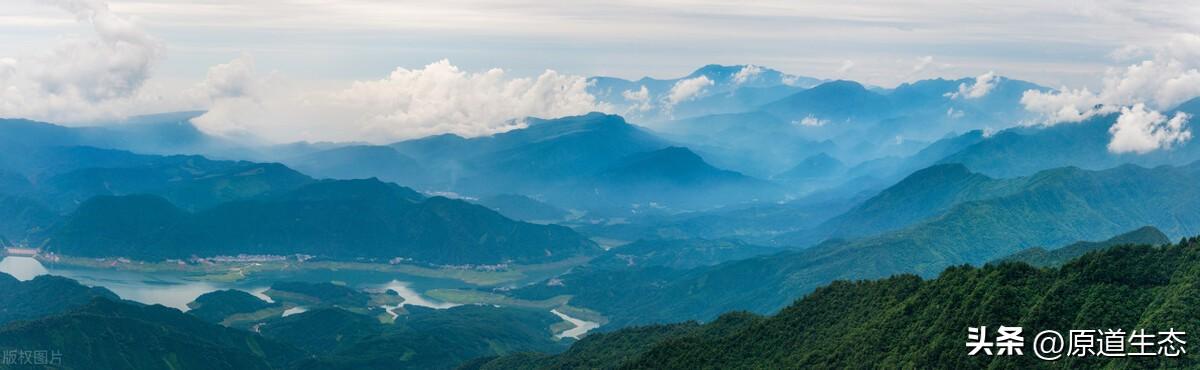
[811, 121]
[82, 77]
[746, 74]
[408, 103]
[1138, 92]
[1141, 131]
[640, 99]
[231, 80]
[982, 86]
[108, 76]
[687, 89]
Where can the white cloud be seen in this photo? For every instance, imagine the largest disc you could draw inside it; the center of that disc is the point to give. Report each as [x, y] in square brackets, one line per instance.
[982, 86]
[811, 121]
[640, 99]
[108, 76]
[1139, 92]
[1065, 105]
[439, 98]
[746, 74]
[688, 89]
[790, 80]
[1139, 130]
[954, 113]
[82, 78]
[1170, 77]
[231, 80]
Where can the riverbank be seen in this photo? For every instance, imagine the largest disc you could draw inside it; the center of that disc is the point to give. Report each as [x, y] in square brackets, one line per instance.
[226, 271]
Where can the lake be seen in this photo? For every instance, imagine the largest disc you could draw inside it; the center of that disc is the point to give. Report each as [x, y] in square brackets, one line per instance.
[175, 290]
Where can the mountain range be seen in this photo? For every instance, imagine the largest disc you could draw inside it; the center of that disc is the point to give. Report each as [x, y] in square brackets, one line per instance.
[89, 328]
[971, 219]
[722, 89]
[595, 161]
[904, 321]
[334, 218]
[730, 193]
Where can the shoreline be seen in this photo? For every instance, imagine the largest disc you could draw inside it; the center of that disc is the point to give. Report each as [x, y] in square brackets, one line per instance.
[233, 271]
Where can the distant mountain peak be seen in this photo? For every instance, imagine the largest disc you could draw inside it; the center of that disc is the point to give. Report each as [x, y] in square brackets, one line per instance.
[815, 166]
[588, 119]
[942, 170]
[841, 85]
[672, 155]
[675, 164]
[934, 177]
[371, 188]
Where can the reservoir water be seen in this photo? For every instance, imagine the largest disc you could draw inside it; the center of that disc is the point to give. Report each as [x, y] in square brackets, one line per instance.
[581, 326]
[176, 291]
[22, 268]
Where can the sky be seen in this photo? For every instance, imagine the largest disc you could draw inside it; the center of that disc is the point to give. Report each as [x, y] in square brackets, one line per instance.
[383, 61]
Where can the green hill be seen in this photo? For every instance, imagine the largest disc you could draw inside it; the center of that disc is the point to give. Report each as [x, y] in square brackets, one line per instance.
[216, 306]
[1039, 257]
[422, 339]
[44, 295]
[1053, 207]
[106, 334]
[361, 162]
[678, 253]
[922, 194]
[907, 322]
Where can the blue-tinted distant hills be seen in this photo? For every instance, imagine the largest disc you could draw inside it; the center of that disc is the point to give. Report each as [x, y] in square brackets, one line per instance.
[83, 200]
[733, 89]
[674, 165]
[563, 149]
[850, 122]
[818, 166]
[677, 177]
[971, 220]
[546, 151]
[1025, 150]
[166, 133]
[591, 161]
[755, 143]
[361, 161]
[343, 219]
[63, 177]
[520, 207]
[833, 102]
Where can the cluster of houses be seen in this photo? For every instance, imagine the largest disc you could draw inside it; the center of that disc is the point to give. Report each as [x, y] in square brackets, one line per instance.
[21, 252]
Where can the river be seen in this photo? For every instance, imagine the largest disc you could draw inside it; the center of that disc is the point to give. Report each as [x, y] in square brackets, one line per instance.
[581, 326]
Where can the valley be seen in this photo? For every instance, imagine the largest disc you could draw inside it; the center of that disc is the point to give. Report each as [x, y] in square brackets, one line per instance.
[757, 215]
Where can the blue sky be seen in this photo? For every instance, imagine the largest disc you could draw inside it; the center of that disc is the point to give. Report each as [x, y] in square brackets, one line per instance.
[165, 52]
